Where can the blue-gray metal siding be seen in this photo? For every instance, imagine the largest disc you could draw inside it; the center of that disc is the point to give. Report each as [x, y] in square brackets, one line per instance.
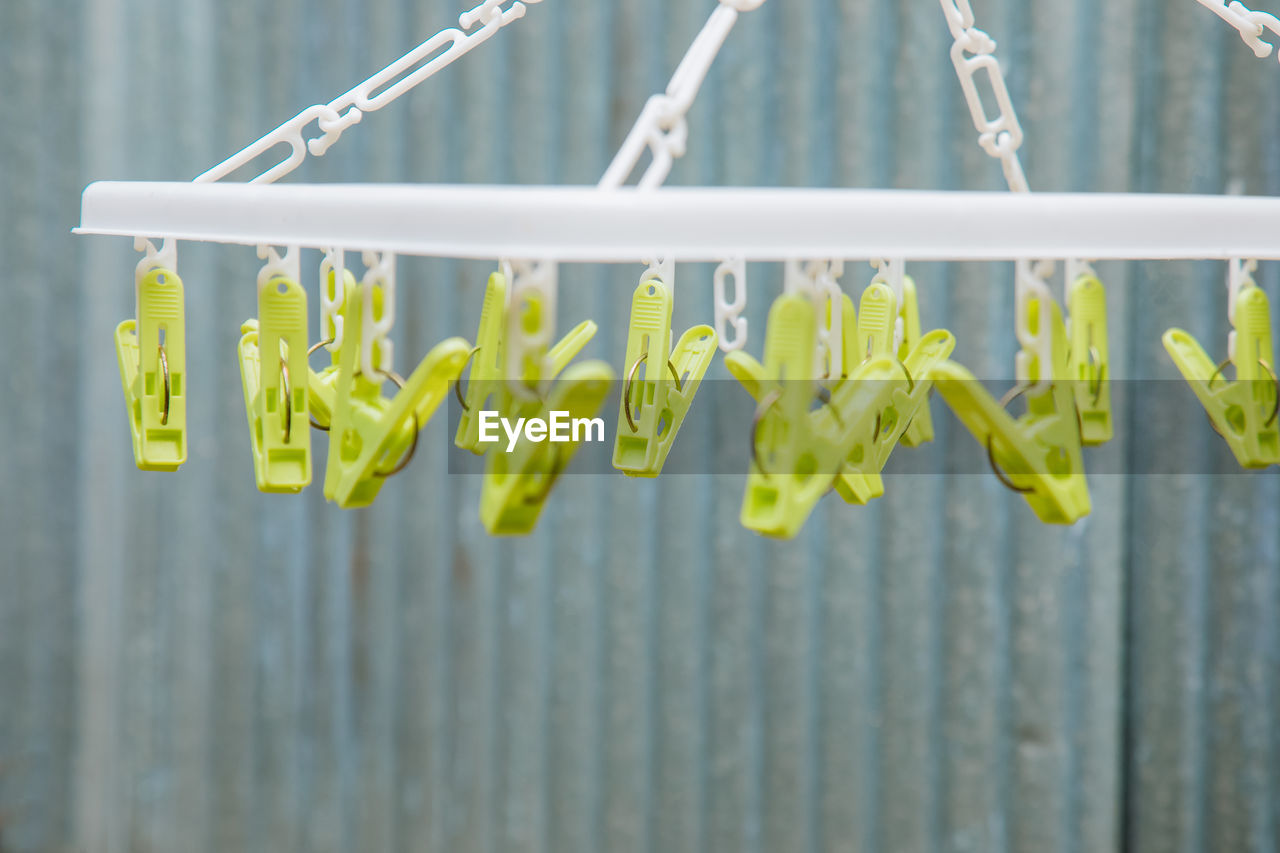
[186, 664]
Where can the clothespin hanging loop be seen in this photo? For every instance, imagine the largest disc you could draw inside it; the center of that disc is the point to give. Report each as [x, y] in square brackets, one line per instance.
[333, 269]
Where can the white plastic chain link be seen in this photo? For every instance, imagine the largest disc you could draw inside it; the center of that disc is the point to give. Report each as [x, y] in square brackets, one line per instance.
[416, 66]
[1251, 24]
[164, 258]
[663, 130]
[728, 312]
[973, 53]
[377, 317]
[335, 264]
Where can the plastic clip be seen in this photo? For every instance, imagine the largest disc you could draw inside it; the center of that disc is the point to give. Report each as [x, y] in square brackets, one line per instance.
[1246, 412]
[654, 405]
[920, 430]
[276, 388]
[1089, 362]
[151, 351]
[894, 407]
[369, 432]
[1038, 455]
[793, 461]
[519, 476]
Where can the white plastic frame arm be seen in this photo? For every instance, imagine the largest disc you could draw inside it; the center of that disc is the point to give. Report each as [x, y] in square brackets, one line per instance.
[662, 127]
[1250, 24]
[410, 70]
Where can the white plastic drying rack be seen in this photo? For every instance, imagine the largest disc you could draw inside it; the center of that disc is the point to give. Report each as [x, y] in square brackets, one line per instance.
[618, 224]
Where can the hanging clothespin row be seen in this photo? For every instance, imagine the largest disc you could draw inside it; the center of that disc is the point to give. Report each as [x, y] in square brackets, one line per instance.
[1245, 412]
[151, 350]
[1038, 455]
[881, 337]
[535, 394]
[654, 404]
[1089, 360]
[369, 432]
[274, 375]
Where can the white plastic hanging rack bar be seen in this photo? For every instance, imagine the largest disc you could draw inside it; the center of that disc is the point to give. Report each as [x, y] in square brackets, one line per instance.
[1251, 24]
[1001, 137]
[663, 130]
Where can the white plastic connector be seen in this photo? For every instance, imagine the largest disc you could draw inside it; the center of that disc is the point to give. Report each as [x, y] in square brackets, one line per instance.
[728, 312]
[377, 352]
[277, 265]
[331, 302]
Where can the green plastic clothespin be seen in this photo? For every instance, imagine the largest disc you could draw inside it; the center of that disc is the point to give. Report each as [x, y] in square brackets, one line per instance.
[369, 432]
[794, 460]
[649, 420]
[151, 351]
[1089, 361]
[1037, 455]
[895, 408]
[1244, 412]
[277, 408]
[518, 481]
[485, 385]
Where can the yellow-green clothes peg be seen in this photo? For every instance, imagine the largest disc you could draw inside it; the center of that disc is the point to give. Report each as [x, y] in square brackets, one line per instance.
[275, 387]
[371, 436]
[1037, 455]
[895, 406]
[321, 385]
[518, 479]
[654, 405]
[153, 370]
[1244, 412]
[517, 483]
[1089, 361]
[484, 385]
[795, 456]
[920, 429]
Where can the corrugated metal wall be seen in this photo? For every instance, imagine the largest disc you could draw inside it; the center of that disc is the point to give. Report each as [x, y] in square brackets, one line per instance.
[188, 665]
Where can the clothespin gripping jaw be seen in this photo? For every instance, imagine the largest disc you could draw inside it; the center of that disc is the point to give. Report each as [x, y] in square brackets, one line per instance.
[151, 351]
[1245, 412]
[276, 380]
[793, 463]
[1038, 455]
[1090, 357]
[654, 404]
[368, 431]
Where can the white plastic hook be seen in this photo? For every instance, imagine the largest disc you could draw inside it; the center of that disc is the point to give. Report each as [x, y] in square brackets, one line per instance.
[819, 280]
[728, 313]
[663, 270]
[277, 265]
[1239, 275]
[376, 349]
